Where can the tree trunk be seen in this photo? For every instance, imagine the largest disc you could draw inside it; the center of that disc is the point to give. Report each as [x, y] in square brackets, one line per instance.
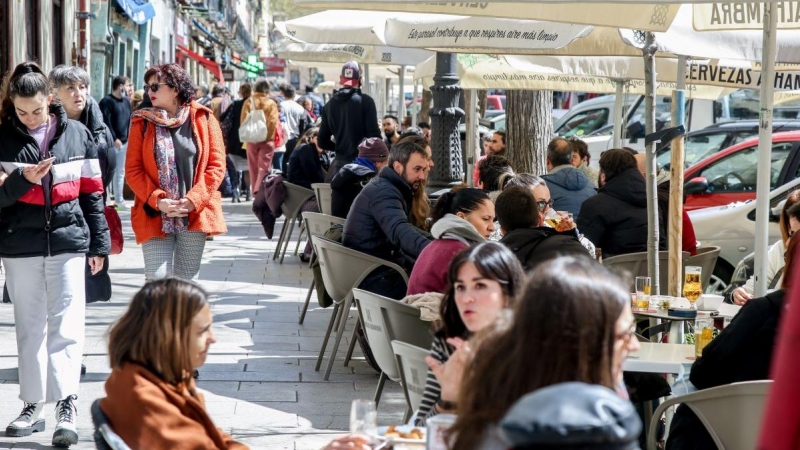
[529, 127]
[426, 105]
[482, 93]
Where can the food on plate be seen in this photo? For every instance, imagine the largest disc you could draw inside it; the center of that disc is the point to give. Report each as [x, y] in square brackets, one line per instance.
[415, 433]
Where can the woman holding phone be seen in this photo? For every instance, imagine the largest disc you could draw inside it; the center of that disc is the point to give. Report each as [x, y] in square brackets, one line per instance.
[53, 219]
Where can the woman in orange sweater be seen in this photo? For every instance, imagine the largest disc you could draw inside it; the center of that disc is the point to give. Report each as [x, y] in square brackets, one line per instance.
[259, 154]
[175, 163]
[151, 397]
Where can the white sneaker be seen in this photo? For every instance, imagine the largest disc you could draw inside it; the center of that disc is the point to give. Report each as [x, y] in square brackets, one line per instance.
[66, 433]
[29, 421]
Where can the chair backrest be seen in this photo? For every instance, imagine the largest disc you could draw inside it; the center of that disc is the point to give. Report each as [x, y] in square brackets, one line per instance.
[104, 437]
[372, 319]
[318, 224]
[706, 258]
[343, 268]
[295, 197]
[636, 265]
[324, 194]
[404, 324]
[731, 413]
[413, 371]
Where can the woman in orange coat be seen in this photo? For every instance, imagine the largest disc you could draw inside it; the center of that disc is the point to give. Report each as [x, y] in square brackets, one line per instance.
[151, 401]
[175, 163]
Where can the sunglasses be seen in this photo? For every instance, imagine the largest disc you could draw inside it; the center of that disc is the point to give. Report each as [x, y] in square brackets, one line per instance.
[154, 87]
[543, 205]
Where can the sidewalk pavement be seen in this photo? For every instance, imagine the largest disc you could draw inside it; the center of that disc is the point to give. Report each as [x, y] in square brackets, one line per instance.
[259, 380]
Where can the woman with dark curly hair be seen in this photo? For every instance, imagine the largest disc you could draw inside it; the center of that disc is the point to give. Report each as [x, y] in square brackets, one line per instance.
[176, 162]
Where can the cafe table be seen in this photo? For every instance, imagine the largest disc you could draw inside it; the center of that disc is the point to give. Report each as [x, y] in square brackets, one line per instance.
[726, 311]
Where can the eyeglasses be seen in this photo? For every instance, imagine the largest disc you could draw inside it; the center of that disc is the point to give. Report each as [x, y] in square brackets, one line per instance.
[543, 205]
[154, 87]
[628, 335]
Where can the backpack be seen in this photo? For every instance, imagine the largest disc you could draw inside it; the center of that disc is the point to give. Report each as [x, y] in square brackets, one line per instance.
[226, 123]
[254, 127]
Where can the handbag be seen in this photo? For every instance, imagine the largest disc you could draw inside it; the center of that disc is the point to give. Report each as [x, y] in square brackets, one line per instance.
[115, 227]
[254, 127]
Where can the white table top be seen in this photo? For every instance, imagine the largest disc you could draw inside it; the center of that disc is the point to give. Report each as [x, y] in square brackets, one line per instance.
[725, 310]
[661, 358]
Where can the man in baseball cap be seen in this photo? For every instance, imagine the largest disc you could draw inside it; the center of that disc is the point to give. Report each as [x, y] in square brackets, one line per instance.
[347, 119]
[373, 155]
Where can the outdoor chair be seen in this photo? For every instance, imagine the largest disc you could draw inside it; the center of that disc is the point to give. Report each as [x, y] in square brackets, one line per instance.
[323, 192]
[104, 437]
[342, 270]
[413, 373]
[636, 265]
[316, 225]
[706, 259]
[731, 413]
[385, 320]
[296, 196]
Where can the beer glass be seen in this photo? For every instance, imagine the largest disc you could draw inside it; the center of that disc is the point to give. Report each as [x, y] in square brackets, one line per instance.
[643, 293]
[692, 286]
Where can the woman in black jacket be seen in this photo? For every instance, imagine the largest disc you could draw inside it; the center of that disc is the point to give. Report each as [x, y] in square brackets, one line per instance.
[742, 352]
[52, 221]
[305, 165]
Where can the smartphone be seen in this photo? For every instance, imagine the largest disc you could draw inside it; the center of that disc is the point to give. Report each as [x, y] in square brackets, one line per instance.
[47, 161]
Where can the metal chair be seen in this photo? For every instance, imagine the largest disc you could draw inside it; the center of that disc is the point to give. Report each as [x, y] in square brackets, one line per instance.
[706, 258]
[413, 373]
[731, 413]
[385, 320]
[323, 193]
[296, 196]
[342, 270]
[104, 437]
[316, 225]
[636, 265]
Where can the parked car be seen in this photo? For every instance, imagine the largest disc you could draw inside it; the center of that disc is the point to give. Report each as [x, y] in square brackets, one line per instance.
[732, 228]
[496, 123]
[703, 143]
[495, 103]
[729, 176]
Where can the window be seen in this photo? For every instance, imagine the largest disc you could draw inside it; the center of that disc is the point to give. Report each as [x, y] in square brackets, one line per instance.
[737, 172]
[584, 123]
[34, 30]
[121, 59]
[696, 148]
[58, 33]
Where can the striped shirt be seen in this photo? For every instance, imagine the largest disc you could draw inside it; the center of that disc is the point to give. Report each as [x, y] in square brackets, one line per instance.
[440, 351]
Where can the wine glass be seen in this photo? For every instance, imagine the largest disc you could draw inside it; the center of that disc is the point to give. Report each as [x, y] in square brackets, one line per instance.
[692, 286]
[364, 418]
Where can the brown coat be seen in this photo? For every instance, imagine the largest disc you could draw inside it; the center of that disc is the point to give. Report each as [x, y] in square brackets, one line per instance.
[149, 413]
[270, 108]
[141, 173]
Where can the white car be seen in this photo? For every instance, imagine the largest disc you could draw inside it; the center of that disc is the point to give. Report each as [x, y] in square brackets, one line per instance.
[732, 228]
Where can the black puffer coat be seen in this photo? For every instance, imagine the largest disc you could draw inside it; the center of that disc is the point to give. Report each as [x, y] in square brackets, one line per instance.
[346, 185]
[378, 221]
[92, 118]
[536, 245]
[615, 219]
[73, 220]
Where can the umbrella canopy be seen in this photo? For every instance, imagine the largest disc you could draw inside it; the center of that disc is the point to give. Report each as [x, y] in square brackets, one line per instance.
[341, 53]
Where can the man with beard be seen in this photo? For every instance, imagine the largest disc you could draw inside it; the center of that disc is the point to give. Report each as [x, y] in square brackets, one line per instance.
[378, 222]
[347, 119]
[391, 129]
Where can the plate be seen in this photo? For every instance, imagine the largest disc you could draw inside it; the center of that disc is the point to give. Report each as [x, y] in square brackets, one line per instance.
[402, 429]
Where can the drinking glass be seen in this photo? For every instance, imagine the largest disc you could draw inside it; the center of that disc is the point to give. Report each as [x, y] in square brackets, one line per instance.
[692, 287]
[555, 219]
[363, 418]
[643, 293]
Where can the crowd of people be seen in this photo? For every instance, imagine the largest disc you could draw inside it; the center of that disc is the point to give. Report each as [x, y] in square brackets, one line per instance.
[513, 260]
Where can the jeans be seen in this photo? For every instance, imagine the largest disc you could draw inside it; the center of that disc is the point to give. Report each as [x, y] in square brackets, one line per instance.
[119, 174]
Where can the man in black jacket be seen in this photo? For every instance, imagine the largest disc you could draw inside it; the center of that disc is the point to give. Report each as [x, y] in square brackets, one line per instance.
[378, 221]
[348, 183]
[615, 219]
[349, 117]
[521, 219]
[117, 113]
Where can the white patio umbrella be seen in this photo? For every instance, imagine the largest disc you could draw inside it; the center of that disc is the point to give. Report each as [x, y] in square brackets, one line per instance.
[341, 53]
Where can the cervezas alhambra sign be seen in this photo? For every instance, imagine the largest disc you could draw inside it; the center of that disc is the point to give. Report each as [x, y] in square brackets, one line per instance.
[743, 16]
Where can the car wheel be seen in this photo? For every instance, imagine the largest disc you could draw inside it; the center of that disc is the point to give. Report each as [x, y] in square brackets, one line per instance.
[719, 280]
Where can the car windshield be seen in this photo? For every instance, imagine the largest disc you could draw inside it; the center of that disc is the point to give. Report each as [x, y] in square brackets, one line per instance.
[584, 123]
[696, 148]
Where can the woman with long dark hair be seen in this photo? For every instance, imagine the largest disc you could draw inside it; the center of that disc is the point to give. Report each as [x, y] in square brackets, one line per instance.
[575, 327]
[460, 218]
[175, 163]
[483, 280]
[52, 220]
[151, 398]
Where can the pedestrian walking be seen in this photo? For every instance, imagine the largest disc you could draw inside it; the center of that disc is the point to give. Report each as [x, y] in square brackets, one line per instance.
[176, 164]
[117, 113]
[260, 154]
[52, 221]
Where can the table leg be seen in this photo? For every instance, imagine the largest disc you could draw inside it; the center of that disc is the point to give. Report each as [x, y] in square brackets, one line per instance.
[676, 332]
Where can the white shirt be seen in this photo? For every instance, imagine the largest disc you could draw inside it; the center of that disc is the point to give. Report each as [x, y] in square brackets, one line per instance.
[775, 261]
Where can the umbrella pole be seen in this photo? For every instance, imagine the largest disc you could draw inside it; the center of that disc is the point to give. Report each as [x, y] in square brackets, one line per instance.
[765, 147]
[401, 100]
[472, 134]
[415, 105]
[366, 86]
[675, 221]
[649, 52]
[619, 121]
